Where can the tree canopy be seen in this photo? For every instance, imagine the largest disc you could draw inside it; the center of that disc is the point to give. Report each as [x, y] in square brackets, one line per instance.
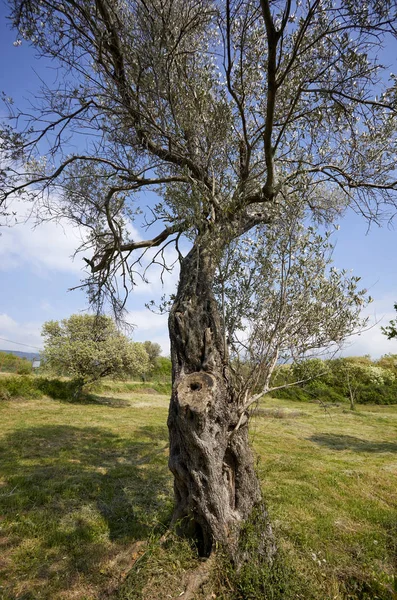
[283, 300]
[224, 109]
[89, 347]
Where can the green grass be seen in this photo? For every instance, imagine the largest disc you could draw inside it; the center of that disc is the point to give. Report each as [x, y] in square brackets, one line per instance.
[79, 485]
[85, 495]
[330, 480]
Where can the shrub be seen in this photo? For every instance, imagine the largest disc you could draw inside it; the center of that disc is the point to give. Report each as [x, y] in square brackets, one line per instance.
[322, 391]
[35, 387]
[10, 363]
[377, 394]
[293, 393]
[24, 368]
[162, 370]
[19, 387]
[56, 388]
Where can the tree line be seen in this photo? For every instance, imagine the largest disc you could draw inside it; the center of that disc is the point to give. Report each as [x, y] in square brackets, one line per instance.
[88, 348]
[353, 379]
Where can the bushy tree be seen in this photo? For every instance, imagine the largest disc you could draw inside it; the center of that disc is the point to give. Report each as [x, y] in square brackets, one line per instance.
[90, 347]
[227, 110]
[357, 378]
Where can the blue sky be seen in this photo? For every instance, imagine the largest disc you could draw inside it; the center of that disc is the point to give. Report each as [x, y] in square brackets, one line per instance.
[36, 269]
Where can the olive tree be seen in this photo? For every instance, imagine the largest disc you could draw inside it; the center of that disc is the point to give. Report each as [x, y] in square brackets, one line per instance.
[283, 301]
[226, 110]
[90, 347]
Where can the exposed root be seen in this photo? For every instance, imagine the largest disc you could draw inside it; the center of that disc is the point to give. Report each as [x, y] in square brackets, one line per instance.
[122, 565]
[196, 579]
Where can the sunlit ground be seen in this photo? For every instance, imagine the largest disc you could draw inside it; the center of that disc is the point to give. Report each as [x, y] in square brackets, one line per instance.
[85, 494]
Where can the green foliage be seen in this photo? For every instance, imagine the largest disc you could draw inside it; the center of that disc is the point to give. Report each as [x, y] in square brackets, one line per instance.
[377, 394]
[293, 393]
[312, 369]
[10, 363]
[34, 387]
[18, 387]
[366, 381]
[162, 369]
[57, 389]
[335, 381]
[89, 347]
[320, 390]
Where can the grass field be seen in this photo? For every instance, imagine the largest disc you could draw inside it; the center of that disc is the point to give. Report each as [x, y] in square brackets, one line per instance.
[85, 495]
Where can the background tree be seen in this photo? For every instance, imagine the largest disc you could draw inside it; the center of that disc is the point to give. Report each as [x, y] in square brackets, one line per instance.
[153, 350]
[356, 379]
[90, 347]
[225, 110]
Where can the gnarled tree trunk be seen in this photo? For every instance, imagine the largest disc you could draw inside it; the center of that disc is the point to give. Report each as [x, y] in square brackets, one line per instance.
[215, 483]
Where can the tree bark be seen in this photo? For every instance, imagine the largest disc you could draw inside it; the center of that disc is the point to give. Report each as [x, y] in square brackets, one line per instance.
[215, 483]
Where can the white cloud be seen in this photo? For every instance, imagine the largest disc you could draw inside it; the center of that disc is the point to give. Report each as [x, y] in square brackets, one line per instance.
[372, 341]
[48, 247]
[150, 326]
[19, 336]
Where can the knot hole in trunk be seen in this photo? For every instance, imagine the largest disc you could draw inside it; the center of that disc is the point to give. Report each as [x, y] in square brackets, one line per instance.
[195, 386]
[196, 391]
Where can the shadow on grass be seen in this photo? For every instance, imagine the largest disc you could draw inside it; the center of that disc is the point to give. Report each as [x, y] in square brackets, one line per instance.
[65, 391]
[349, 442]
[70, 491]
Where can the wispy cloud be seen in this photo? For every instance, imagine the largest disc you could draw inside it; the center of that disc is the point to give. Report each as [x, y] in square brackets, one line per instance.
[46, 248]
[372, 341]
[24, 336]
[150, 326]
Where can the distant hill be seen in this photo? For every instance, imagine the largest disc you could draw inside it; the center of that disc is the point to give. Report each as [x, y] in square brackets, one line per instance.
[27, 355]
